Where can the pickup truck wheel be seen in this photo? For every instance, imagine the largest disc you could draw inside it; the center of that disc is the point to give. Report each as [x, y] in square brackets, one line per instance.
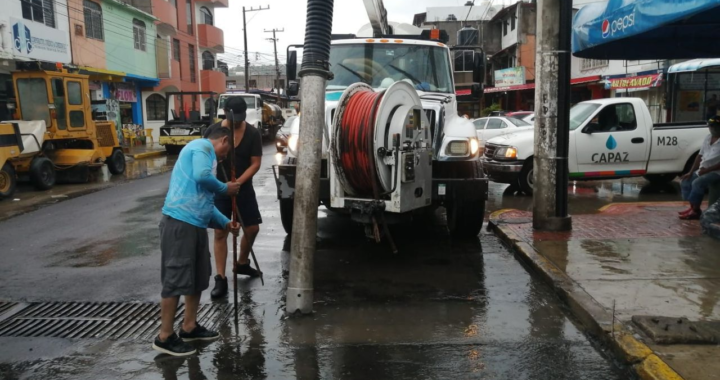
[42, 173]
[660, 179]
[286, 214]
[173, 149]
[526, 181]
[464, 218]
[116, 162]
[8, 181]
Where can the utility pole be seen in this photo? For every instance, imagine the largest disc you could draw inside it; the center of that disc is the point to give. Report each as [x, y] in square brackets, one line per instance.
[247, 60]
[277, 63]
[552, 120]
[314, 72]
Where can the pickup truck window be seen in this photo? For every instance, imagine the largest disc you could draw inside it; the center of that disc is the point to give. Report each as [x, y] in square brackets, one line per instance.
[580, 113]
[615, 118]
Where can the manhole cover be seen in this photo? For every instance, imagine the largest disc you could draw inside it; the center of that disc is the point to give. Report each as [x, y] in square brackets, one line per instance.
[5, 306]
[105, 320]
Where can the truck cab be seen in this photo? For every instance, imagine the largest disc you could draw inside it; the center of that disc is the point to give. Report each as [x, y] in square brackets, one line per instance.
[254, 104]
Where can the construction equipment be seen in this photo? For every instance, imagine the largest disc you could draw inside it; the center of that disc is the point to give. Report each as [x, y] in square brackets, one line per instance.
[265, 116]
[58, 140]
[10, 147]
[184, 121]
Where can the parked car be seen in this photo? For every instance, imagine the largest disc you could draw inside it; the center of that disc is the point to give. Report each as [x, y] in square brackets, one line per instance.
[489, 127]
[529, 118]
[519, 114]
[609, 138]
[282, 135]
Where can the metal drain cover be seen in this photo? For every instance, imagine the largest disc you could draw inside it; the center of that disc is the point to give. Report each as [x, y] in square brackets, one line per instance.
[102, 320]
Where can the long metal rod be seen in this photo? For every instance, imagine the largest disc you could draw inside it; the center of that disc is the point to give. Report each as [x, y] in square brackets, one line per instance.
[231, 121]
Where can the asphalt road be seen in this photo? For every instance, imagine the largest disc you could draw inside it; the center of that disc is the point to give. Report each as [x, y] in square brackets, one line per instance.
[439, 309]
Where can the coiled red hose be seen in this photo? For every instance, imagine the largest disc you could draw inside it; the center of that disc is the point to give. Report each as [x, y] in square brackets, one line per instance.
[357, 129]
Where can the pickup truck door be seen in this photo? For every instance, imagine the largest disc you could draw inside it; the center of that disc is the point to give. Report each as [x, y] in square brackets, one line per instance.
[614, 143]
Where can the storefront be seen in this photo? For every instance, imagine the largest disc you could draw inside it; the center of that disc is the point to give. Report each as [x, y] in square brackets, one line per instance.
[692, 87]
[646, 85]
[522, 97]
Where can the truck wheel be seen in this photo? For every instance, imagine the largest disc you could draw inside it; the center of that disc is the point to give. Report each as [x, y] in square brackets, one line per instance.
[660, 179]
[525, 181]
[8, 181]
[286, 214]
[173, 149]
[464, 218]
[42, 173]
[116, 162]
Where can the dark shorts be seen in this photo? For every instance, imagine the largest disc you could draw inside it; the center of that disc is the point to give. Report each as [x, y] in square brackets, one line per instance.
[185, 253]
[247, 207]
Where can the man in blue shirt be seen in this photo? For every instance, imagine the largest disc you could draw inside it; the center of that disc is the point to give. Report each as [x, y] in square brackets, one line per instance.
[187, 213]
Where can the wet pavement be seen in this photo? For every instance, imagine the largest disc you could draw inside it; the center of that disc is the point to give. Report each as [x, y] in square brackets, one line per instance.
[439, 309]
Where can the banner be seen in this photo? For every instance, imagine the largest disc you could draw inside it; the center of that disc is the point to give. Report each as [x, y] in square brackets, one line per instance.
[653, 80]
[37, 41]
[510, 77]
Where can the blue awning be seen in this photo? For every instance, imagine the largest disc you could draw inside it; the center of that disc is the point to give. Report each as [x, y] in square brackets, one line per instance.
[647, 29]
[142, 81]
[694, 65]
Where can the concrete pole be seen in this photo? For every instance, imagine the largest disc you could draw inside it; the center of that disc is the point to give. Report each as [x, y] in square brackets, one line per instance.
[313, 76]
[552, 106]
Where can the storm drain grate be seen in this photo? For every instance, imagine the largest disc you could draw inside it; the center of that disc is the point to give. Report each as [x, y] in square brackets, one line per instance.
[104, 320]
[5, 306]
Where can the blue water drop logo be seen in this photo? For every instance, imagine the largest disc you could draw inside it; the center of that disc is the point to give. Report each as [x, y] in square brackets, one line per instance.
[611, 143]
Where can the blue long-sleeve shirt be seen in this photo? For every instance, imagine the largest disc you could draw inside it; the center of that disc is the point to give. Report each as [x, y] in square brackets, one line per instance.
[193, 186]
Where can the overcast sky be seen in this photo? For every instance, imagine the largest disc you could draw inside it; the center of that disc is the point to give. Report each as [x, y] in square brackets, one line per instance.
[348, 17]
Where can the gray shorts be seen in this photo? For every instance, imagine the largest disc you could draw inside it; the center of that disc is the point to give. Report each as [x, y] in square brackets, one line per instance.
[185, 252]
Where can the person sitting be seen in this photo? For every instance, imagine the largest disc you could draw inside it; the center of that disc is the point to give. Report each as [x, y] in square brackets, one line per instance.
[696, 182]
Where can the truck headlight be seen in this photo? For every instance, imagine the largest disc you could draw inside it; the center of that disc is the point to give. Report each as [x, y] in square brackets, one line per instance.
[292, 143]
[474, 146]
[457, 148]
[506, 152]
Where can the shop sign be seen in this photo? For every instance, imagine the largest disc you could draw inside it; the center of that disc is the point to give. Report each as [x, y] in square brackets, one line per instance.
[125, 93]
[652, 80]
[510, 77]
[37, 41]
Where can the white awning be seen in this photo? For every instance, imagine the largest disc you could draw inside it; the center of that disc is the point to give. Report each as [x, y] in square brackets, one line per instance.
[694, 65]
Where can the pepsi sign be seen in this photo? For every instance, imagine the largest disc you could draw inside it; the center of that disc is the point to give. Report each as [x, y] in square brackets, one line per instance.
[609, 28]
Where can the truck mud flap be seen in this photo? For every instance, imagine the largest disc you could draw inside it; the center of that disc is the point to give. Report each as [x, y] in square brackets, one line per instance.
[473, 189]
[285, 182]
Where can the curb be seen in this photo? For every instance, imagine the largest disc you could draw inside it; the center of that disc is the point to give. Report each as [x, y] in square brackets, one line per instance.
[156, 153]
[587, 310]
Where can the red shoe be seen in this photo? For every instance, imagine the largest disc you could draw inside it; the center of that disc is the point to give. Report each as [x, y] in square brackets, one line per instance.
[693, 215]
[689, 209]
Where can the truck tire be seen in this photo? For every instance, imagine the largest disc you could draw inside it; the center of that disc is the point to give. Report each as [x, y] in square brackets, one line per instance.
[465, 218]
[42, 173]
[173, 149]
[286, 214]
[525, 180]
[660, 179]
[116, 162]
[8, 181]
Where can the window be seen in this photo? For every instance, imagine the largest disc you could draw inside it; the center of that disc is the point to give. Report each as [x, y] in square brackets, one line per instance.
[139, 34]
[39, 10]
[615, 118]
[207, 17]
[480, 123]
[155, 107]
[176, 50]
[191, 51]
[174, 3]
[512, 22]
[58, 89]
[464, 60]
[93, 20]
[208, 60]
[77, 119]
[282, 83]
[505, 25]
[252, 83]
[74, 93]
[518, 122]
[589, 64]
[188, 16]
[495, 124]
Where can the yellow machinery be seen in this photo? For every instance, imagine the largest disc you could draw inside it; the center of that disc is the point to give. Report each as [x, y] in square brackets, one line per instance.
[10, 147]
[58, 137]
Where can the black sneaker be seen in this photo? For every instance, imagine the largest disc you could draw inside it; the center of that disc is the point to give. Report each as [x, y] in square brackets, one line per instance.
[173, 345]
[221, 287]
[198, 333]
[246, 270]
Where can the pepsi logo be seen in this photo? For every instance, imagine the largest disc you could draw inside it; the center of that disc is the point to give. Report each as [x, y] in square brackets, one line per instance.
[605, 28]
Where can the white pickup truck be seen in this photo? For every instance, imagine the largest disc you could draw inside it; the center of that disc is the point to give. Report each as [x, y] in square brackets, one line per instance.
[609, 138]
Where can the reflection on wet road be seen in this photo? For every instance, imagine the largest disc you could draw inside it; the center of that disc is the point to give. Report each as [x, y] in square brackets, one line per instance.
[439, 309]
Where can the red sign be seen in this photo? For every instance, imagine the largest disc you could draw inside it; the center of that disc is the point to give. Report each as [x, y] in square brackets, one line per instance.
[125, 95]
[653, 80]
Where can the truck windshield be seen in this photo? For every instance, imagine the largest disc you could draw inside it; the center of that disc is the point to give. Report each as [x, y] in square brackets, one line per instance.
[427, 68]
[249, 100]
[33, 99]
[580, 113]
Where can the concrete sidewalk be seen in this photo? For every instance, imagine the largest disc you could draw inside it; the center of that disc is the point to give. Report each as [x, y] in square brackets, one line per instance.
[633, 260]
[145, 151]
